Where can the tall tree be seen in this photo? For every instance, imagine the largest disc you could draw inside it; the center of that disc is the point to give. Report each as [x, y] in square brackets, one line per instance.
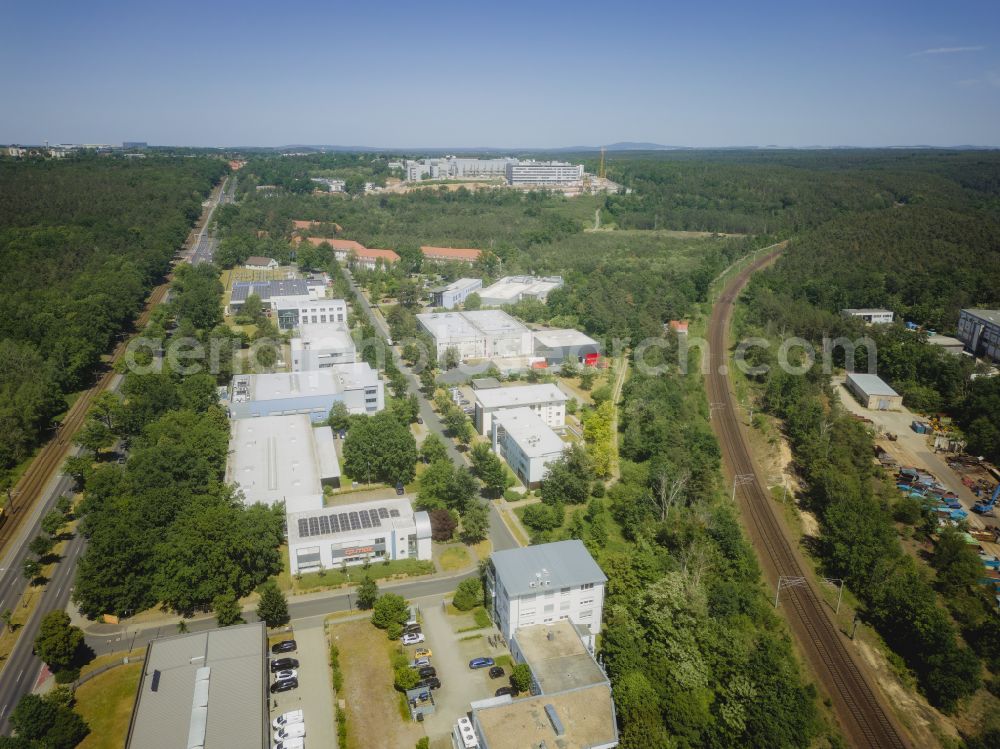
[272, 608]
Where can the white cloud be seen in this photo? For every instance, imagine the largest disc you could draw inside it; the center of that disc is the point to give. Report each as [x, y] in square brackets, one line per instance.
[947, 50]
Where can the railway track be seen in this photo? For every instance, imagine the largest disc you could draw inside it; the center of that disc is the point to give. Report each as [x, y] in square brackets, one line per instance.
[50, 458]
[863, 718]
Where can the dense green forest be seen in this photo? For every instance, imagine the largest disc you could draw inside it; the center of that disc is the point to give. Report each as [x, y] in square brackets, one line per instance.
[164, 528]
[82, 242]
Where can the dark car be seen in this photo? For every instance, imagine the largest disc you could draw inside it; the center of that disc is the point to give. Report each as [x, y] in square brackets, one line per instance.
[284, 685]
[426, 672]
[496, 672]
[430, 683]
[480, 662]
[280, 664]
[399, 488]
[285, 646]
[505, 690]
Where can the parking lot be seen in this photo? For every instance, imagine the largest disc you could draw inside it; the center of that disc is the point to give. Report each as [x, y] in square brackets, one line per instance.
[314, 695]
[460, 685]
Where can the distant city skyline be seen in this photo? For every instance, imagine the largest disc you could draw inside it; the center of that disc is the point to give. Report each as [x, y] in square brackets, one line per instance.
[408, 77]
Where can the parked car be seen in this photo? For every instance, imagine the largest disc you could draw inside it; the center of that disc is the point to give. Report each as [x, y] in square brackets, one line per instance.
[288, 673]
[280, 664]
[422, 653]
[285, 646]
[411, 628]
[413, 638]
[481, 662]
[420, 419]
[505, 690]
[291, 744]
[496, 672]
[427, 672]
[287, 719]
[399, 488]
[431, 682]
[420, 662]
[284, 685]
[294, 731]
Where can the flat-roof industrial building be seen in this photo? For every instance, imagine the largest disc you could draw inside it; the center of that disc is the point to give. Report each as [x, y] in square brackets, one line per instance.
[481, 334]
[282, 459]
[875, 316]
[526, 442]
[557, 346]
[979, 330]
[312, 393]
[873, 392]
[291, 312]
[322, 345]
[328, 537]
[455, 293]
[204, 690]
[512, 289]
[545, 399]
[542, 173]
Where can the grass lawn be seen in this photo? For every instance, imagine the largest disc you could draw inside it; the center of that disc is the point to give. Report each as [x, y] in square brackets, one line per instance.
[105, 702]
[378, 571]
[453, 558]
[103, 660]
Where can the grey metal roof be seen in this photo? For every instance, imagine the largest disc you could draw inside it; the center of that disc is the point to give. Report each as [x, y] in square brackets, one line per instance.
[871, 384]
[229, 711]
[564, 564]
[989, 315]
[267, 289]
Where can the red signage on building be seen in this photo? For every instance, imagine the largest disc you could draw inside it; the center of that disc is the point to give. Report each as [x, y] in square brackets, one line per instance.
[357, 550]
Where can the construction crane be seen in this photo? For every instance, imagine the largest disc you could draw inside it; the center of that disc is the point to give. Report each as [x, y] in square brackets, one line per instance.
[601, 170]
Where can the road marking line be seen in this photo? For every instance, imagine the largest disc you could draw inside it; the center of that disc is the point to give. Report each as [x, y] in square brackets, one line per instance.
[2, 711]
[18, 679]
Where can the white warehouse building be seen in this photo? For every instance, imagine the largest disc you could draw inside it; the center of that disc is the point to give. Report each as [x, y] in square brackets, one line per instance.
[350, 534]
[322, 345]
[546, 400]
[282, 459]
[312, 393]
[512, 289]
[481, 334]
[544, 584]
[527, 443]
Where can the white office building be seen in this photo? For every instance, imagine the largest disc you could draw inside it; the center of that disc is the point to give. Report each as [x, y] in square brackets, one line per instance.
[870, 316]
[291, 312]
[542, 173]
[545, 584]
[512, 289]
[979, 330]
[527, 443]
[350, 534]
[455, 293]
[546, 400]
[282, 459]
[322, 345]
[481, 334]
[312, 393]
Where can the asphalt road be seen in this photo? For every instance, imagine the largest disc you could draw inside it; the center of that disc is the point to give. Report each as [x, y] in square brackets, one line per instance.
[21, 670]
[500, 535]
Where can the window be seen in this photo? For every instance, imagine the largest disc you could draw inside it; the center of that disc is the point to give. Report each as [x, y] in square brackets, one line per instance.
[586, 614]
[564, 591]
[586, 586]
[586, 601]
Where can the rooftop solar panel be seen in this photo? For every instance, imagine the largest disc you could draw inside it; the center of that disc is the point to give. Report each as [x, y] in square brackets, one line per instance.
[334, 525]
[355, 521]
[376, 520]
[366, 521]
[345, 524]
[324, 524]
[313, 527]
[303, 528]
[382, 512]
[394, 513]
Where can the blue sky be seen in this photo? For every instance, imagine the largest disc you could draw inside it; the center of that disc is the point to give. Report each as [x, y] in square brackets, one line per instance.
[505, 74]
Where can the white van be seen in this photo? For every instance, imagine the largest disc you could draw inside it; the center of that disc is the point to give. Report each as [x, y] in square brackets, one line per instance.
[293, 731]
[291, 744]
[411, 620]
[289, 718]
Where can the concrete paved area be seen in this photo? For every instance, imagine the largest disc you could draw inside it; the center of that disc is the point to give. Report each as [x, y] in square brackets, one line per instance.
[315, 694]
[460, 685]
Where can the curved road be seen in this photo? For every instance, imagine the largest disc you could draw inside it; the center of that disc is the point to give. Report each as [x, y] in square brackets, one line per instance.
[864, 719]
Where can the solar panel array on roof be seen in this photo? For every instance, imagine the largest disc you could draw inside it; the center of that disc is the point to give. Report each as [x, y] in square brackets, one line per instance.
[343, 522]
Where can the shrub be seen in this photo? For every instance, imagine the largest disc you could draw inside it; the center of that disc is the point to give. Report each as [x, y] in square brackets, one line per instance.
[468, 595]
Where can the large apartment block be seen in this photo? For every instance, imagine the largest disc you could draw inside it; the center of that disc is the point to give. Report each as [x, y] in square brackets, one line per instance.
[546, 400]
[545, 584]
[542, 173]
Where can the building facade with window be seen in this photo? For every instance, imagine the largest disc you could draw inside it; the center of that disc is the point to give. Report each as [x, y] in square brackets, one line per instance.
[329, 537]
[313, 393]
[546, 400]
[292, 312]
[979, 330]
[527, 443]
[455, 293]
[870, 316]
[545, 584]
[321, 346]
